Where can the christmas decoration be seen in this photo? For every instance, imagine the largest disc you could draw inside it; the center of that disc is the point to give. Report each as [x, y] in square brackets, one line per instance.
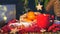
[13, 31]
[31, 15]
[39, 7]
[42, 21]
[6, 28]
[28, 17]
[44, 2]
[54, 28]
[13, 26]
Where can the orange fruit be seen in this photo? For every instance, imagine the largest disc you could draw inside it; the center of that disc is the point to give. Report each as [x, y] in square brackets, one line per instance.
[31, 15]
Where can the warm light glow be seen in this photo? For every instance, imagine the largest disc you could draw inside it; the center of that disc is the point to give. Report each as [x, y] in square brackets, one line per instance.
[5, 18]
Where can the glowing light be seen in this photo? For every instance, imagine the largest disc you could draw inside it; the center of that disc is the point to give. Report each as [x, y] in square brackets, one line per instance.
[5, 18]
